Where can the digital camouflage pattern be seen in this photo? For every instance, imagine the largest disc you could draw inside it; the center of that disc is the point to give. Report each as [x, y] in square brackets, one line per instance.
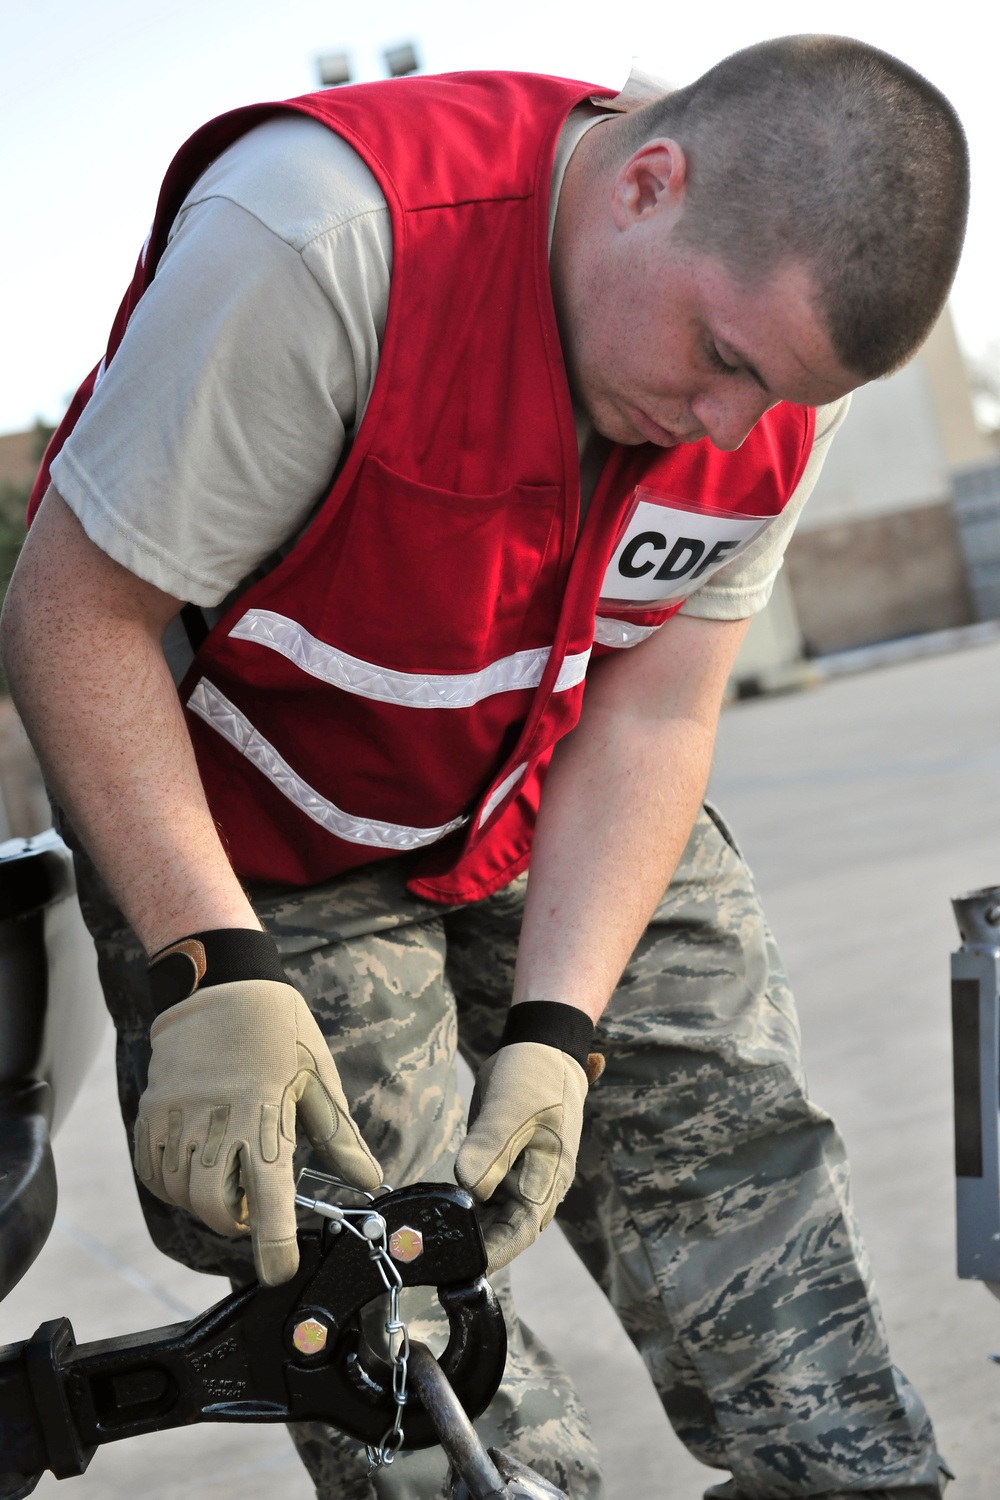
[711, 1199]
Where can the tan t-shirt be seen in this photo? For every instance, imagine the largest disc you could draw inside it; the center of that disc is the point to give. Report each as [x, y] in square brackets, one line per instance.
[247, 366]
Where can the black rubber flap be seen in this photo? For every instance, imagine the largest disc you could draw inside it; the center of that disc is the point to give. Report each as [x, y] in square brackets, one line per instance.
[27, 1180]
[33, 879]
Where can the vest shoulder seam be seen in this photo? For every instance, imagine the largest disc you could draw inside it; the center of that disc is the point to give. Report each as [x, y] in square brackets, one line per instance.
[422, 208]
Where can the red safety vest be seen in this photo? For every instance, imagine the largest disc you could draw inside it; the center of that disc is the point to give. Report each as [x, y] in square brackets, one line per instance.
[399, 680]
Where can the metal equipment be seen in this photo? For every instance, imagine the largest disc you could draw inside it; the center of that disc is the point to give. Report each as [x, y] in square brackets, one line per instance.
[975, 1013]
[269, 1354]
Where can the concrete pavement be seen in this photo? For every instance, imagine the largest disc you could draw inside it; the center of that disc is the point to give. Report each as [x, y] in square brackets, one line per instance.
[863, 806]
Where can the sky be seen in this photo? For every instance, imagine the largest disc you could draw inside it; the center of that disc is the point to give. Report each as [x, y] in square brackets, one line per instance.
[96, 97]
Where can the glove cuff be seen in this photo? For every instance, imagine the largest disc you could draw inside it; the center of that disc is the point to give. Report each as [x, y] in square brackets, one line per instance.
[206, 958]
[553, 1024]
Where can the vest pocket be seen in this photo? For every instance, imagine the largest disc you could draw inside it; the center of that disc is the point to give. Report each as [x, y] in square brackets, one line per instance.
[427, 579]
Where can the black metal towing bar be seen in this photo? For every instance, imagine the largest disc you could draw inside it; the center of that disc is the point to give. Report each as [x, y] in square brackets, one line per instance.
[476, 1473]
[264, 1354]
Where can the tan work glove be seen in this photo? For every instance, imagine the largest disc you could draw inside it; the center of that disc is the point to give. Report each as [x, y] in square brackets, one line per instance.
[231, 1068]
[519, 1157]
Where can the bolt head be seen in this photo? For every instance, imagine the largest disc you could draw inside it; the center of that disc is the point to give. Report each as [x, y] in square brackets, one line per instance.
[309, 1336]
[406, 1244]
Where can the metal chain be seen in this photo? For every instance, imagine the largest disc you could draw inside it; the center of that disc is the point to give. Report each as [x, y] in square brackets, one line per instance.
[399, 1352]
[372, 1228]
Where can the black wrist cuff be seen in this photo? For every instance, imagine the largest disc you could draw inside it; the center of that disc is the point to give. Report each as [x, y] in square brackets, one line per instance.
[216, 957]
[555, 1025]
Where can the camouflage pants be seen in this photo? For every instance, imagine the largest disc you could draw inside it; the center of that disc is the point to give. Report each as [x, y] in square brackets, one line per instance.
[711, 1200]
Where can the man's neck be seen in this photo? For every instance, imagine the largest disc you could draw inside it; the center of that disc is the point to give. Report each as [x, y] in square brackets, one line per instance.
[582, 216]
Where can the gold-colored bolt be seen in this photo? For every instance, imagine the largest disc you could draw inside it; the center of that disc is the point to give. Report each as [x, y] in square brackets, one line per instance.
[309, 1336]
[406, 1244]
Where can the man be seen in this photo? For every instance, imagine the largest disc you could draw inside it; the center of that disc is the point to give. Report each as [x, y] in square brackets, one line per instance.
[406, 286]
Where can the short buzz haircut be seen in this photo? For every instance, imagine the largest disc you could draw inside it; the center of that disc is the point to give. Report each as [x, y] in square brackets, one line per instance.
[824, 151]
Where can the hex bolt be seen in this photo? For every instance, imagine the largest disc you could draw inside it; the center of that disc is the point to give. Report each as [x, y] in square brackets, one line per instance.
[309, 1336]
[993, 915]
[406, 1243]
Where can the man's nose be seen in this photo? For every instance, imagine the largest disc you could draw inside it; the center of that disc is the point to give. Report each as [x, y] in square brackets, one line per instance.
[729, 415]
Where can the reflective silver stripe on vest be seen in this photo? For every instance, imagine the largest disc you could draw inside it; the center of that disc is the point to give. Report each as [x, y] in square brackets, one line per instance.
[499, 792]
[407, 689]
[224, 717]
[620, 633]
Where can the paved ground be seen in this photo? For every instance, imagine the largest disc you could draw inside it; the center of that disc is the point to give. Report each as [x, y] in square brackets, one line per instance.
[864, 805]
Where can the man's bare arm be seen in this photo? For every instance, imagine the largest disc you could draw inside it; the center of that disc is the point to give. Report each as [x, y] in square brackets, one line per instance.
[82, 653]
[617, 809]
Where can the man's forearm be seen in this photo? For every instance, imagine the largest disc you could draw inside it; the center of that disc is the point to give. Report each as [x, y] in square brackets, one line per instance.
[240, 1052]
[617, 810]
[81, 647]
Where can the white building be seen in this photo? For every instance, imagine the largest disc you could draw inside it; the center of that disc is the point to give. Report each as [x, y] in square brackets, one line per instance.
[879, 553]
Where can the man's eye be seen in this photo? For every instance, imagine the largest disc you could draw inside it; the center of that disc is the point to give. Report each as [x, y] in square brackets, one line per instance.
[717, 362]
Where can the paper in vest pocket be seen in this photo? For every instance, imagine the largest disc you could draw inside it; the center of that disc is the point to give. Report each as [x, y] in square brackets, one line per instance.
[668, 547]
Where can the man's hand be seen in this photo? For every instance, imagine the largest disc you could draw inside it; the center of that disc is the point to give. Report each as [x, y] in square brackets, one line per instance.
[231, 1069]
[519, 1157]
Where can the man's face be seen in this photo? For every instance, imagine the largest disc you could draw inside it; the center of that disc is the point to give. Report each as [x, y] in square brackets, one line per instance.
[663, 345]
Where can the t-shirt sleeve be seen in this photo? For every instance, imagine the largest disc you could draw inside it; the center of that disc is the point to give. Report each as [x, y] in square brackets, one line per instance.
[218, 425]
[744, 587]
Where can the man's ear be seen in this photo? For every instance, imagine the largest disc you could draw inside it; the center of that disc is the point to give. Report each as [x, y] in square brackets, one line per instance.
[653, 178]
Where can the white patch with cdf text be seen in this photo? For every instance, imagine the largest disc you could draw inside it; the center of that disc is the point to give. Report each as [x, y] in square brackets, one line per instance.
[669, 548]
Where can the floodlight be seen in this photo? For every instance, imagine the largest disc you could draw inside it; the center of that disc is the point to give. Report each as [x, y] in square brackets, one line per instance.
[334, 69]
[401, 60]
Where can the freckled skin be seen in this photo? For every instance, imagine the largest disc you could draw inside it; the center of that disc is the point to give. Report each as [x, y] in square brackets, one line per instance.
[662, 344]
